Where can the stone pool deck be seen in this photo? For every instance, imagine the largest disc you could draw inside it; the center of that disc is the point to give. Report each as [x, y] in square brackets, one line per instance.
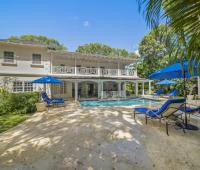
[106, 138]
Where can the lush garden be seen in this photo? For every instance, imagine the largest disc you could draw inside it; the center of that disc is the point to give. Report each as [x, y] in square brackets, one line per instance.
[16, 107]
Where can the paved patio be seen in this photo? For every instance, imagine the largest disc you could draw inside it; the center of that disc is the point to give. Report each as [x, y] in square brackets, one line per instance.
[96, 138]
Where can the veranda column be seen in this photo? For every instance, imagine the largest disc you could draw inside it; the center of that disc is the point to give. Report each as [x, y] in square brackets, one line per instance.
[136, 88]
[143, 88]
[119, 89]
[198, 86]
[124, 89]
[149, 87]
[101, 89]
[76, 90]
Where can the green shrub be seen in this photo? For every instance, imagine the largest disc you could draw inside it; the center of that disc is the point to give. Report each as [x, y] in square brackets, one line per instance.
[19, 103]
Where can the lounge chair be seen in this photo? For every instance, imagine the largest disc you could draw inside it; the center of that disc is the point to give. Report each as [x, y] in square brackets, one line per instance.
[158, 93]
[167, 110]
[53, 101]
[172, 93]
[190, 110]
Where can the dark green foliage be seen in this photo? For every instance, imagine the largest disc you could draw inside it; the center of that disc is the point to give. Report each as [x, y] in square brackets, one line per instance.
[101, 49]
[8, 121]
[183, 17]
[155, 49]
[19, 103]
[41, 39]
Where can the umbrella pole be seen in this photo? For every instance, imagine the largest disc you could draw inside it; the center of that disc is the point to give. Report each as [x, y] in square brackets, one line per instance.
[185, 96]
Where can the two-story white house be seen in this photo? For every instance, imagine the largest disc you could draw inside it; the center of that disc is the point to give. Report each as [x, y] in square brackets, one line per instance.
[84, 75]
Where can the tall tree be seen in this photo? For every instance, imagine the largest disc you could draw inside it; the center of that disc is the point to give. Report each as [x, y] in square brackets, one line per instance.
[101, 49]
[41, 39]
[155, 49]
[183, 17]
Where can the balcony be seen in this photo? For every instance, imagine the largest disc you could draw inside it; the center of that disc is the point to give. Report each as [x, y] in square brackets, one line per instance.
[93, 72]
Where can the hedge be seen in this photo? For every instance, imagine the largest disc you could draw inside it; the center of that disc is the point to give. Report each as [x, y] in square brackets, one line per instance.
[18, 103]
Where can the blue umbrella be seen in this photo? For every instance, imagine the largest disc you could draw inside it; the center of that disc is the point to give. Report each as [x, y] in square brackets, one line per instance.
[47, 80]
[176, 70]
[166, 82]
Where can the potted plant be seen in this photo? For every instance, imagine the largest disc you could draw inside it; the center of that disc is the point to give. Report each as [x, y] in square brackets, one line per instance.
[40, 105]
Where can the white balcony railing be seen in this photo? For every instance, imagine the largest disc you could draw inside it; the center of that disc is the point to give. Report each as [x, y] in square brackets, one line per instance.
[113, 94]
[63, 70]
[81, 71]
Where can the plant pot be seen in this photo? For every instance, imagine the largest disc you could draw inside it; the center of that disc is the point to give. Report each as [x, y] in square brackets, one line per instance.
[41, 107]
[190, 97]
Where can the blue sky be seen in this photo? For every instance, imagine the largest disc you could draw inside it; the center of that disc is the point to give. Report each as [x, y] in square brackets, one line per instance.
[75, 22]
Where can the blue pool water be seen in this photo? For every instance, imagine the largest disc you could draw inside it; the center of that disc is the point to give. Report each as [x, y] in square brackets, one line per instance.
[122, 102]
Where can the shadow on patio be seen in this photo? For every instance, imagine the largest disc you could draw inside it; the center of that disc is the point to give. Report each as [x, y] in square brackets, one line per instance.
[96, 138]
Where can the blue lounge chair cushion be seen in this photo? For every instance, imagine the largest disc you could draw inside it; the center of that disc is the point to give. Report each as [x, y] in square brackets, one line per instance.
[173, 93]
[154, 113]
[144, 110]
[190, 109]
[158, 92]
[51, 101]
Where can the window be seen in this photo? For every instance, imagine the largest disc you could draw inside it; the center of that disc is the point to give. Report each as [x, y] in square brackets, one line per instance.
[18, 86]
[59, 88]
[8, 57]
[28, 86]
[36, 59]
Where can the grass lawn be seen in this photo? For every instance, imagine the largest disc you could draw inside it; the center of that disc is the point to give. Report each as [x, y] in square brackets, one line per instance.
[10, 120]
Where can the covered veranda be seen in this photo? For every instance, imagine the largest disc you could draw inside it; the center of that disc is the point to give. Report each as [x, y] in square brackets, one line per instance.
[107, 88]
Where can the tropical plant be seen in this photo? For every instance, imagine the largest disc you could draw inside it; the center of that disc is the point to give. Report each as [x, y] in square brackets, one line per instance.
[155, 49]
[102, 49]
[18, 102]
[41, 39]
[184, 18]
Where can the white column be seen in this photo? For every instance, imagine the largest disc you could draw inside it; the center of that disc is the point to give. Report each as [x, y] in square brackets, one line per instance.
[119, 89]
[99, 89]
[51, 63]
[75, 70]
[118, 71]
[102, 90]
[149, 87]
[136, 88]
[198, 86]
[124, 89]
[143, 88]
[76, 90]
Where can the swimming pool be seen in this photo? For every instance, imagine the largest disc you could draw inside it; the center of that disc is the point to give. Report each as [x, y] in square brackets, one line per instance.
[121, 102]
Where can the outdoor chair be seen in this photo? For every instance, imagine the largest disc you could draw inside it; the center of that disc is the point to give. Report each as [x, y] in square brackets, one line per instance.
[166, 112]
[158, 93]
[53, 101]
[190, 109]
[172, 93]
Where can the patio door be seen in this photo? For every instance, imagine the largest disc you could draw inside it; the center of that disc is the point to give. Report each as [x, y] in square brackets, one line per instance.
[59, 90]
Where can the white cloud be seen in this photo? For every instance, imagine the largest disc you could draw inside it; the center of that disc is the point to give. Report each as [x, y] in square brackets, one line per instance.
[86, 24]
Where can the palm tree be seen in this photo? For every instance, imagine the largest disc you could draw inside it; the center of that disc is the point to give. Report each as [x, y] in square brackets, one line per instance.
[183, 16]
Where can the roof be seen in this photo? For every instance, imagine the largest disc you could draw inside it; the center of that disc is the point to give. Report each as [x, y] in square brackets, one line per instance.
[24, 42]
[63, 53]
[92, 56]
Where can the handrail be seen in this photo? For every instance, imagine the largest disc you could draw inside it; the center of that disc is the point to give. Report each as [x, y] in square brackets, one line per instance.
[93, 71]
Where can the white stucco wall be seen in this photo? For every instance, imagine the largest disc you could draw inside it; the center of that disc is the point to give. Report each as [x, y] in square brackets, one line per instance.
[23, 55]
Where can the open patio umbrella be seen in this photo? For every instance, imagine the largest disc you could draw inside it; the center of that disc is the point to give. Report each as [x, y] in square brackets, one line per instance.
[177, 70]
[47, 80]
[166, 82]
